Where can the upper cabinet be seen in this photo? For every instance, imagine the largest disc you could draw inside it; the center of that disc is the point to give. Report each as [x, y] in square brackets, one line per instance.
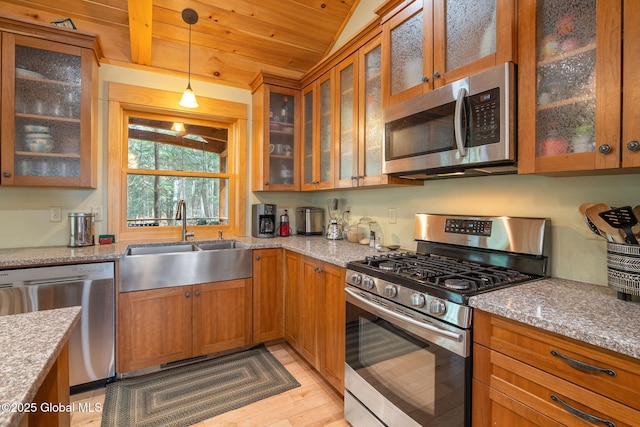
[358, 156]
[276, 134]
[49, 105]
[429, 43]
[570, 80]
[318, 133]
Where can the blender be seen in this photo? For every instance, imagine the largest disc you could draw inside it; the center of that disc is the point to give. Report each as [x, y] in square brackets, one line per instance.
[334, 229]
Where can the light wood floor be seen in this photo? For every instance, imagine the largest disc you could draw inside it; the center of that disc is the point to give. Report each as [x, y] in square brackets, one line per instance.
[314, 403]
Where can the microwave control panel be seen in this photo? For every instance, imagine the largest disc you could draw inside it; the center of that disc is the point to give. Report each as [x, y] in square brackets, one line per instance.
[468, 226]
[485, 117]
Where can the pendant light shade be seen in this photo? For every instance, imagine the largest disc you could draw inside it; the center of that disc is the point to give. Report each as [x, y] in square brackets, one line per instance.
[188, 100]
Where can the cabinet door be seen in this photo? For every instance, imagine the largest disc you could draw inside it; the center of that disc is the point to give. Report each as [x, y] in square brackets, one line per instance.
[47, 113]
[346, 161]
[292, 301]
[471, 36]
[569, 86]
[631, 92]
[154, 327]
[310, 294]
[267, 295]
[332, 324]
[309, 130]
[222, 316]
[275, 131]
[407, 52]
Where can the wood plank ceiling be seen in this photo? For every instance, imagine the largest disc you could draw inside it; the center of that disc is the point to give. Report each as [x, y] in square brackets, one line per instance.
[231, 42]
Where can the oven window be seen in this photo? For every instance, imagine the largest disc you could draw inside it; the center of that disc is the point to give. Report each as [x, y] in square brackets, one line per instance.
[425, 381]
[421, 133]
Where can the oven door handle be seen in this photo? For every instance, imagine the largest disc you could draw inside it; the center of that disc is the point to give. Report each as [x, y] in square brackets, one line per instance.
[458, 131]
[442, 332]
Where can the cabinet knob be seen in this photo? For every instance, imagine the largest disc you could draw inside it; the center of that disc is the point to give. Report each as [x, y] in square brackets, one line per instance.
[187, 294]
[605, 149]
[197, 293]
[257, 257]
[266, 183]
[436, 75]
[6, 174]
[425, 79]
[633, 145]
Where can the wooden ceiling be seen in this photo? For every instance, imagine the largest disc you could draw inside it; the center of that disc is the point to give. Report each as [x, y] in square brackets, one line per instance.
[231, 42]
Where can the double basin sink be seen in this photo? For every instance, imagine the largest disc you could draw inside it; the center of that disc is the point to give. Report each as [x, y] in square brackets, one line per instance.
[178, 264]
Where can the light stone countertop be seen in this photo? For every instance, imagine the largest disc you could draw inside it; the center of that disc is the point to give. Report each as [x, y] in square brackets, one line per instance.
[585, 312]
[29, 346]
[590, 313]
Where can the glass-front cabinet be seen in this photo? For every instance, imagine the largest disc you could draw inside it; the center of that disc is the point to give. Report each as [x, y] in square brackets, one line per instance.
[48, 133]
[276, 134]
[318, 133]
[430, 43]
[569, 86]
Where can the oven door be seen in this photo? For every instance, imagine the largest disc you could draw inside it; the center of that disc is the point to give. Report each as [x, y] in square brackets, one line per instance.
[396, 373]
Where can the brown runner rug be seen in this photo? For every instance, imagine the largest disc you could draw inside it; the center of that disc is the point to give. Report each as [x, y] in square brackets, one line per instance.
[189, 394]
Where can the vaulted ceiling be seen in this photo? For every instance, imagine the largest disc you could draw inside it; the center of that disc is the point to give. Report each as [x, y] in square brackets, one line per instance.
[231, 42]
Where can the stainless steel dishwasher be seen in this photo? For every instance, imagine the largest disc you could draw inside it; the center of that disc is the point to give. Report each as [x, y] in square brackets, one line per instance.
[91, 286]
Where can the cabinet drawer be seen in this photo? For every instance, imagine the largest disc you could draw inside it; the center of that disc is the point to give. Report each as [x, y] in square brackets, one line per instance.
[556, 398]
[601, 371]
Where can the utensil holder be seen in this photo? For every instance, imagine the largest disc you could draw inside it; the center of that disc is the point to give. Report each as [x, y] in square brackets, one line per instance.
[623, 269]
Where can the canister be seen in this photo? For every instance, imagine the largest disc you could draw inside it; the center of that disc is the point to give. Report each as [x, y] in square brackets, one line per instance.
[82, 233]
[623, 269]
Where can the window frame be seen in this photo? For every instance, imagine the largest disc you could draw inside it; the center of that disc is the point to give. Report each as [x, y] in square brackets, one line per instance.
[125, 101]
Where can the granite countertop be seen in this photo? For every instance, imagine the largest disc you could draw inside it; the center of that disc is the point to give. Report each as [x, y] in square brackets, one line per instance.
[586, 312]
[29, 345]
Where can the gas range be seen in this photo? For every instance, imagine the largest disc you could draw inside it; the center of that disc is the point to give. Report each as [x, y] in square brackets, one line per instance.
[456, 257]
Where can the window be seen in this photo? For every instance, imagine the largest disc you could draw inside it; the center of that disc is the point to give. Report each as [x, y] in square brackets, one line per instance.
[164, 156]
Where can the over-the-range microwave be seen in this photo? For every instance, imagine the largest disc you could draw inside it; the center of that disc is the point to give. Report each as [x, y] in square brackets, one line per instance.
[464, 128]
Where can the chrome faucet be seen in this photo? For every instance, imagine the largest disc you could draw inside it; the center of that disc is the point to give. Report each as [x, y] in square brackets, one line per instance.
[181, 214]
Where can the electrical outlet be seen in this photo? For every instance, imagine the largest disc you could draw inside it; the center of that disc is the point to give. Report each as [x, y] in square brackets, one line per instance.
[97, 213]
[392, 216]
[55, 213]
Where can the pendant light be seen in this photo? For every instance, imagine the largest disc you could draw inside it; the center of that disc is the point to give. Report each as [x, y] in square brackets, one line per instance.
[188, 100]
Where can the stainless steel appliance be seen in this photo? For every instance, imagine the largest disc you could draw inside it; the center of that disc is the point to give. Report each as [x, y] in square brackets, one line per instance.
[82, 231]
[464, 128]
[408, 322]
[309, 221]
[91, 286]
[263, 223]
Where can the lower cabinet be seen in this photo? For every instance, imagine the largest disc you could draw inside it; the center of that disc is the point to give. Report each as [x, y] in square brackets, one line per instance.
[314, 314]
[268, 294]
[165, 325]
[525, 376]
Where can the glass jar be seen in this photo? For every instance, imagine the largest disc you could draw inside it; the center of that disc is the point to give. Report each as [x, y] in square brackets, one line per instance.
[364, 230]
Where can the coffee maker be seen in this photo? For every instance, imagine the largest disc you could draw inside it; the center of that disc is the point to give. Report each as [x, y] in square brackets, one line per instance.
[263, 222]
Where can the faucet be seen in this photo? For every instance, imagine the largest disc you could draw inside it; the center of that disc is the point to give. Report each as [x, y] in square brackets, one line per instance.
[181, 214]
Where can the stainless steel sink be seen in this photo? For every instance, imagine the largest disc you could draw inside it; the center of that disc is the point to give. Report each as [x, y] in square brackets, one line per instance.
[162, 266]
[161, 249]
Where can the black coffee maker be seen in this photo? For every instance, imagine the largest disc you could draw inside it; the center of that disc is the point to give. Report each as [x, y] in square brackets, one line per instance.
[263, 220]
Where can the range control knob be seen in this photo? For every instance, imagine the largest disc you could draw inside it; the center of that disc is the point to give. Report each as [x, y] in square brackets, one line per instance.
[418, 300]
[368, 283]
[390, 291]
[437, 307]
[356, 278]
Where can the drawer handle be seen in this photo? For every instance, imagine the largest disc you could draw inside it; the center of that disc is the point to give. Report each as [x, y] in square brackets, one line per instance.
[583, 366]
[581, 414]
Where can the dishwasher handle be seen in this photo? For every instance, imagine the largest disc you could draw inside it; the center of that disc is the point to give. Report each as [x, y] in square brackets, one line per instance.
[57, 280]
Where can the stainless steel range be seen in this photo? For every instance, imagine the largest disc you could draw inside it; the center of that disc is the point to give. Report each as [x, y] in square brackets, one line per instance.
[408, 322]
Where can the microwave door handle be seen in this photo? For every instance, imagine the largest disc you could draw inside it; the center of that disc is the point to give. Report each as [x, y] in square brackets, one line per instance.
[459, 133]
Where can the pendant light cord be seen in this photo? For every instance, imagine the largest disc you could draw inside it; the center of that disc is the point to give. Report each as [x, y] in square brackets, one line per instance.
[189, 83]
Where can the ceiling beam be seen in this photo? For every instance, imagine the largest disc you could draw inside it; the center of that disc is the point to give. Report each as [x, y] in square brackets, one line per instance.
[140, 29]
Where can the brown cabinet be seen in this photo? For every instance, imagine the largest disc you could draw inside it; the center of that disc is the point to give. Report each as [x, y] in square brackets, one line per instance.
[429, 43]
[318, 133]
[570, 82]
[49, 105]
[164, 325]
[268, 295]
[276, 134]
[526, 376]
[314, 314]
